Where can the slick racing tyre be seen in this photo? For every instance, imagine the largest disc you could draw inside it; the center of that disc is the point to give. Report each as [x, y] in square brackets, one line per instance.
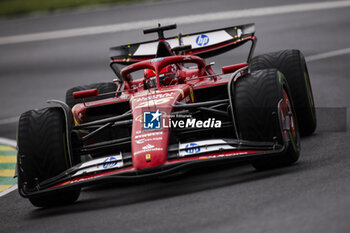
[292, 64]
[262, 103]
[42, 154]
[101, 87]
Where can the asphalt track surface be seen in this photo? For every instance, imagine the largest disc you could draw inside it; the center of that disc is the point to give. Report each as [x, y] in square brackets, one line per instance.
[311, 196]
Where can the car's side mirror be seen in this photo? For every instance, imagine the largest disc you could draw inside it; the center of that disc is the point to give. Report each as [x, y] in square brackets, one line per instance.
[233, 68]
[85, 94]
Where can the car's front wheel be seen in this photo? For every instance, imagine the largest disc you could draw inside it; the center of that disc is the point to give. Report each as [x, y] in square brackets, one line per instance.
[42, 154]
[293, 66]
[265, 112]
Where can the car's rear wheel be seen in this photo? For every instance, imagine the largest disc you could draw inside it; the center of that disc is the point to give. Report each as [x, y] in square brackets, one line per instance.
[262, 104]
[103, 88]
[292, 64]
[42, 154]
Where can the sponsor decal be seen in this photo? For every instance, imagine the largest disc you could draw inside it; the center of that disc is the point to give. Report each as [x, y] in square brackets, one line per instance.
[156, 59]
[149, 135]
[159, 92]
[99, 164]
[148, 150]
[139, 118]
[192, 148]
[152, 120]
[143, 140]
[148, 146]
[110, 162]
[202, 40]
[154, 102]
[133, 86]
[204, 146]
[155, 96]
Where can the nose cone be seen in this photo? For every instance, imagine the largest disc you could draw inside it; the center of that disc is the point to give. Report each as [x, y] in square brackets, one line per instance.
[150, 148]
[150, 129]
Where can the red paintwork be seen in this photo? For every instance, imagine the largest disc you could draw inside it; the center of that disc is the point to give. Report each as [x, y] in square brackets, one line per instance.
[162, 100]
[233, 68]
[91, 176]
[153, 153]
[85, 93]
[286, 109]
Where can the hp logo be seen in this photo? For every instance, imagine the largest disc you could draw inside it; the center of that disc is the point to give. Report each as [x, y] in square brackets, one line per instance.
[190, 148]
[110, 162]
[202, 40]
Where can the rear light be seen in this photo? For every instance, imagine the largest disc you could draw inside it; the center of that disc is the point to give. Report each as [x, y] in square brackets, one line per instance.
[85, 93]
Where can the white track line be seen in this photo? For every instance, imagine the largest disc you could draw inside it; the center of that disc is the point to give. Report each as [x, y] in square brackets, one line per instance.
[12, 143]
[9, 120]
[9, 142]
[311, 58]
[3, 193]
[334, 53]
[188, 19]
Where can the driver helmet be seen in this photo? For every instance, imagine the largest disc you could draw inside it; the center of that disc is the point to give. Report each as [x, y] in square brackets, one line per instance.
[167, 75]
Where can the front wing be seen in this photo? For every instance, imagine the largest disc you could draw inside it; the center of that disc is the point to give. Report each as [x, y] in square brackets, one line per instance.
[116, 168]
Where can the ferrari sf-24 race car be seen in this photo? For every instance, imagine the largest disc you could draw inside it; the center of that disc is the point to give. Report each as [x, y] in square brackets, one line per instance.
[166, 112]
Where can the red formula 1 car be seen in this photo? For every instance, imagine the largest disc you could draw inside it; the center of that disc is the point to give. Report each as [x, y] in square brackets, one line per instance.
[166, 112]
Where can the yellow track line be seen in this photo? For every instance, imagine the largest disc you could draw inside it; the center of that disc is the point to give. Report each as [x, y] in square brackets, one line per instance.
[7, 172]
[7, 148]
[8, 159]
[4, 187]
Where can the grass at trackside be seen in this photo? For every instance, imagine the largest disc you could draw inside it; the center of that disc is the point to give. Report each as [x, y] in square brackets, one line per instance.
[10, 8]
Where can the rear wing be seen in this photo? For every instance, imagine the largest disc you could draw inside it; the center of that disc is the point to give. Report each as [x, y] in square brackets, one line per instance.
[203, 44]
